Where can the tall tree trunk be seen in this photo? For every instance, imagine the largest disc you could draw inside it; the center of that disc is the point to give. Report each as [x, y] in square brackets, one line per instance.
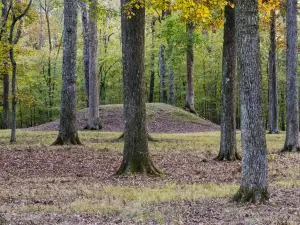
[273, 96]
[84, 18]
[228, 149]
[13, 39]
[93, 120]
[292, 120]
[152, 70]
[190, 93]
[41, 38]
[68, 134]
[162, 73]
[5, 71]
[136, 157]
[171, 75]
[254, 182]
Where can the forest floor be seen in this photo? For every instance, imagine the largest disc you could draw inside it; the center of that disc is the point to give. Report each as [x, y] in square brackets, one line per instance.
[40, 184]
[161, 118]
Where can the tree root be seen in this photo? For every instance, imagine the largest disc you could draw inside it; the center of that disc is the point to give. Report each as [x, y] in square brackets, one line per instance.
[74, 140]
[190, 109]
[150, 138]
[255, 196]
[274, 132]
[228, 157]
[140, 168]
[291, 148]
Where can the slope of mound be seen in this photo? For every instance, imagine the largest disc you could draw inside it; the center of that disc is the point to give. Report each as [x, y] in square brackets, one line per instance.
[161, 118]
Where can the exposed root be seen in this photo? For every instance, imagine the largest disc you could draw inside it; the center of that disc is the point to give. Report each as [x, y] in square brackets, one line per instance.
[190, 109]
[291, 148]
[74, 140]
[99, 127]
[228, 157]
[254, 196]
[140, 168]
[150, 138]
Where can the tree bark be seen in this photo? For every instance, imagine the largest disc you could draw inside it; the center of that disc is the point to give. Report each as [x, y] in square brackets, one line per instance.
[162, 73]
[292, 120]
[12, 41]
[152, 70]
[84, 18]
[254, 182]
[136, 157]
[190, 93]
[5, 71]
[228, 149]
[93, 120]
[273, 94]
[68, 134]
[171, 74]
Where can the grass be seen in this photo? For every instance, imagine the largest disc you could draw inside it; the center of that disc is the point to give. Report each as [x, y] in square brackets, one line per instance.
[134, 201]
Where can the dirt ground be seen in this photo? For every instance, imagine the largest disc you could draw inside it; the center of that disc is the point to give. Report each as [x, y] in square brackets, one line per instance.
[76, 185]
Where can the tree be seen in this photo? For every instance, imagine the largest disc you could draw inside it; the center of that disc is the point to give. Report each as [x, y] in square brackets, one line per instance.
[292, 120]
[162, 74]
[273, 95]
[136, 157]
[152, 70]
[190, 92]
[85, 22]
[228, 149]
[68, 134]
[5, 72]
[254, 183]
[93, 120]
[13, 39]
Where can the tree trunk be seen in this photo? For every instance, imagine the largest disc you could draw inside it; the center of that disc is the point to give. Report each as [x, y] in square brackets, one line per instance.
[5, 71]
[68, 134]
[171, 75]
[93, 120]
[162, 73]
[6, 99]
[84, 18]
[190, 93]
[254, 182]
[136, 157]
[228, 149]
[152, 72]
[13, 93]
[292, 120]
[273, 96]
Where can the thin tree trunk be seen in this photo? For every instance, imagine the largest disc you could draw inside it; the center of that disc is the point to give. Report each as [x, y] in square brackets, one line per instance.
[292, 119]
[228, 149]
[171, 75]
[190, 93]
[93, 120]
[273, 96]
[152, 70]
[12, 41]
[136, 157]
[254, 182]
[68, 134]
[5, 71]
[5, 97]
[84, 18]
[162, 72]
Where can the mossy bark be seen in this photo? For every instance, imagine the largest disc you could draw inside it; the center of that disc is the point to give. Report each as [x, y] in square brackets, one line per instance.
[248, 195]
[136, 157]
